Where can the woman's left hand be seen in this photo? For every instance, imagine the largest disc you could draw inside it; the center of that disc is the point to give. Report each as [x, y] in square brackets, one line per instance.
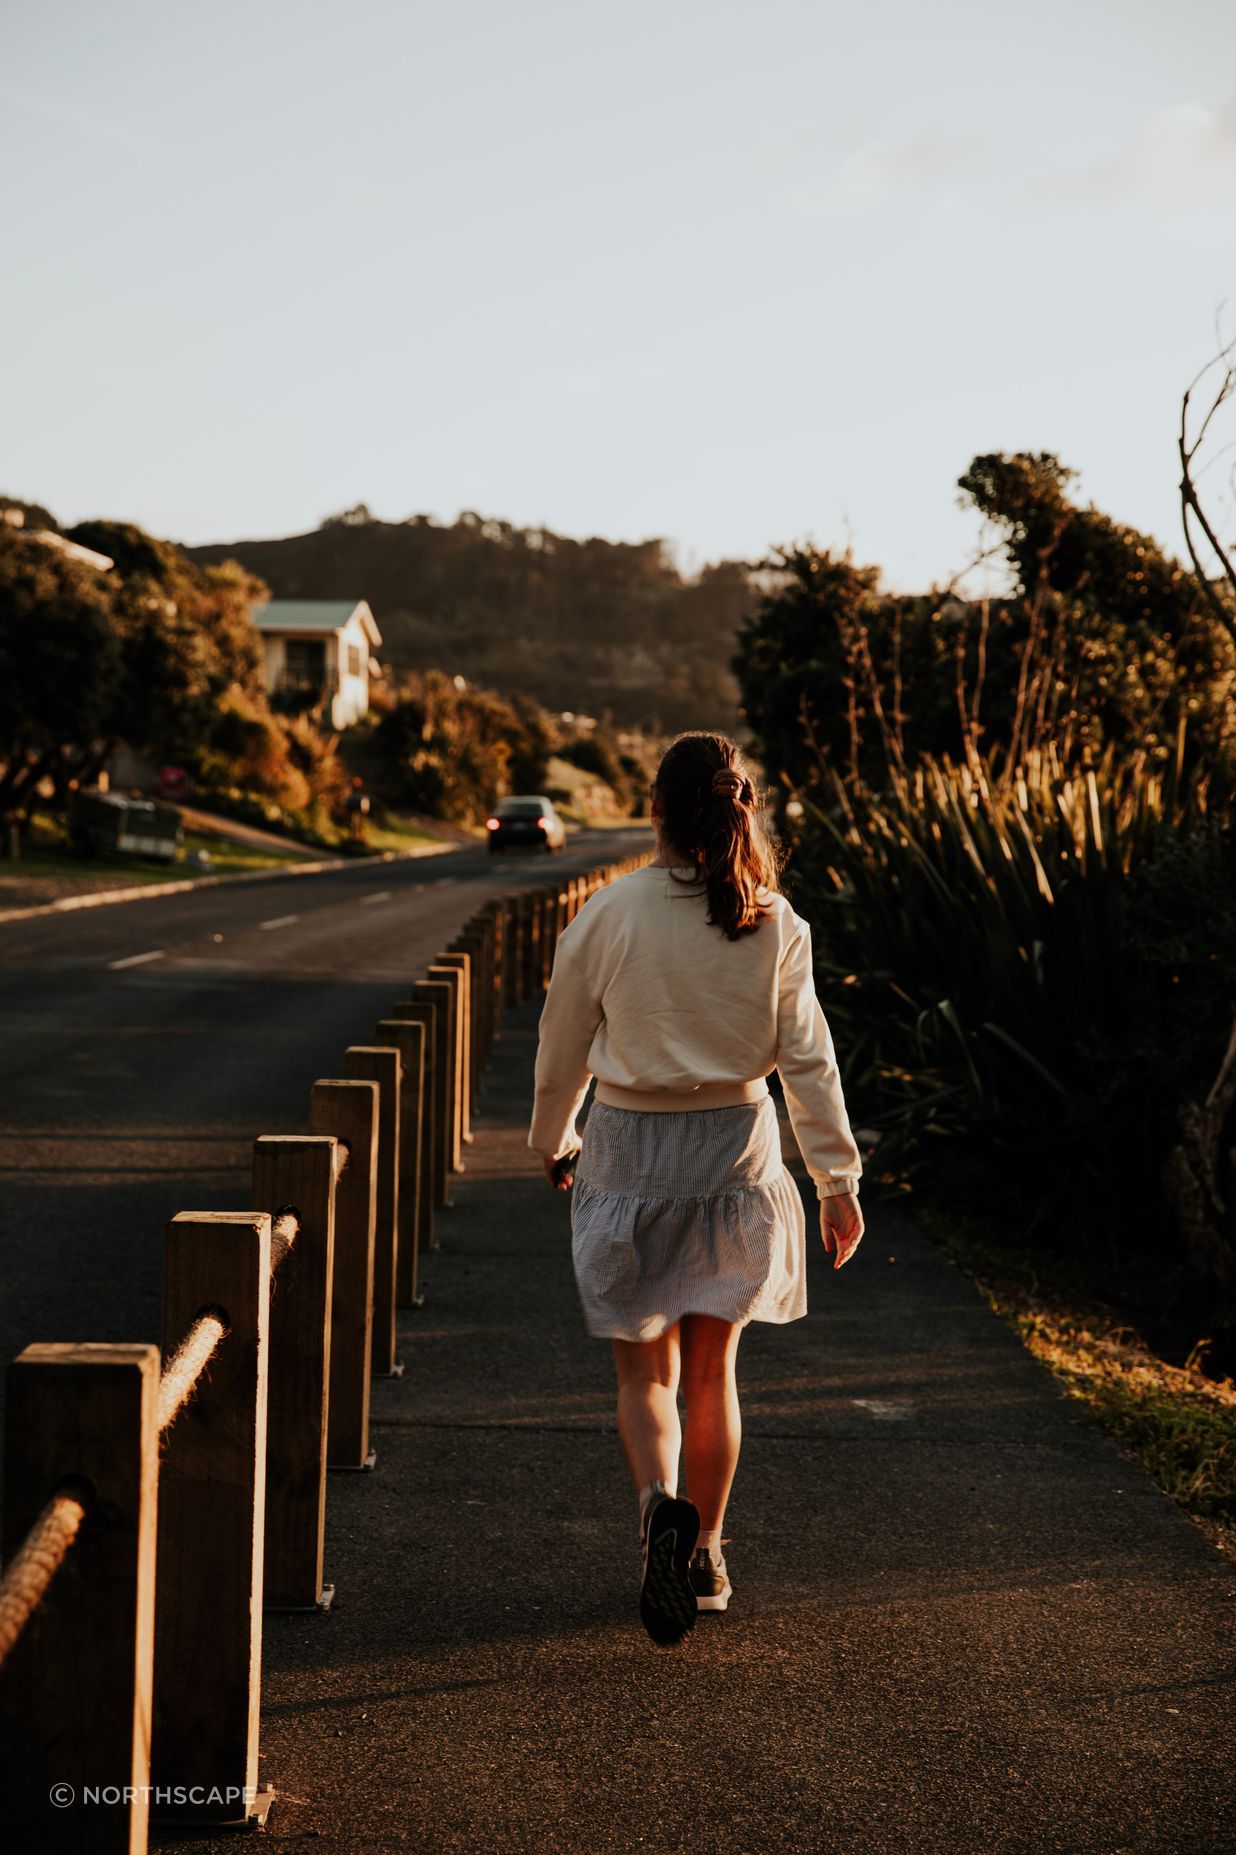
[841, 1225]
[567, 1179]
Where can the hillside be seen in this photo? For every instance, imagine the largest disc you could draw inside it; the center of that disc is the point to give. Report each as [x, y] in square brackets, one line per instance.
[592, 625]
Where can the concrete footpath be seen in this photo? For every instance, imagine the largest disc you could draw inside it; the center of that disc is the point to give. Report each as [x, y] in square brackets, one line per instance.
[962, 1618]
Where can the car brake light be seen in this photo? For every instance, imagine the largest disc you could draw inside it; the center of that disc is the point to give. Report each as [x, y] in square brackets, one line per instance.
[544, 823]
[491, 824]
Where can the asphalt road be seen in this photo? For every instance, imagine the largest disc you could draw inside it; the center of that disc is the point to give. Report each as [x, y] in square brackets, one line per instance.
[145, 1045]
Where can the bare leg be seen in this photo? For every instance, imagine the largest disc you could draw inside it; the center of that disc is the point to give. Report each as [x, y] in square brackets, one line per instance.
[648, 1422]
[714, 1420]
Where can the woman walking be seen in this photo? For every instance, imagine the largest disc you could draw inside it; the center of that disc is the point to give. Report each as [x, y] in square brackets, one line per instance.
[681, 986]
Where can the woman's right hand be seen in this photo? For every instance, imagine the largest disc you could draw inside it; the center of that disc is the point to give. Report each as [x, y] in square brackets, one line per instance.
[841, 1224]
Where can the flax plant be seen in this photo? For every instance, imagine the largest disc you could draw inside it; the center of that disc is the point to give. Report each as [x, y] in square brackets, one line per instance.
[1027, 967]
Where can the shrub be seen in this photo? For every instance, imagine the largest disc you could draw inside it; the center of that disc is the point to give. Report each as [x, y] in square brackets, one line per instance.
[1028, 977]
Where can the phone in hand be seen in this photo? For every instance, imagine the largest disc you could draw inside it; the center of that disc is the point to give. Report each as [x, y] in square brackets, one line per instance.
[566, 1165]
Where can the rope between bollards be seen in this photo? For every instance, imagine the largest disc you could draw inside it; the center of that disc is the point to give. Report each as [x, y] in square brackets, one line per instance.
[35, 1564]
[187, 1364]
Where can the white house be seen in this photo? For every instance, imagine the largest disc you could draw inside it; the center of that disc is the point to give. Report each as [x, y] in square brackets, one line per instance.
[47, 537]
[321, 645]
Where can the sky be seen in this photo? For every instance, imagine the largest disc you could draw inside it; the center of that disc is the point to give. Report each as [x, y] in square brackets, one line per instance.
[734, 275]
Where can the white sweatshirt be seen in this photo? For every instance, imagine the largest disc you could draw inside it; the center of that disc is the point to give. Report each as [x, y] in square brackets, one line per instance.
[667, 1013]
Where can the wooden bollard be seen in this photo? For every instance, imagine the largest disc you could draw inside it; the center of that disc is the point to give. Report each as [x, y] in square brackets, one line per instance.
[491, 923]
[456, 1057]
[470, 947]
[493, 978]
[410, 1041]
[212, 1501]
[508, 928]
[472, 942]
[485, 991]
[462, 963]
[297, 1171]
[517, 925]
[522, 924]
[420, 1011]
[532, 944]
[349, 1110]
[501, 933]
[536, 950]
[491, 917]
[380, 1063]
[545, 909]
[75, 1690]
[529, 942]
[553, 928]
[511, 933]
[438, 994]
[544, 933]
[545, 938]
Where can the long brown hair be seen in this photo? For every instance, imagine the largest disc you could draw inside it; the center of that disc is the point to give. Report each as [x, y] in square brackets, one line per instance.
[712, 817]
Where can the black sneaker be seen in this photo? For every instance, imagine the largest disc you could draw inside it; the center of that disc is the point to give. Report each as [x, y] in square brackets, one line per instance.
[709, 1580]
[667, 1600]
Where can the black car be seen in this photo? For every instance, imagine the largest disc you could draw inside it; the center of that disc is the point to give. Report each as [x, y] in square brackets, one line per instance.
[530, 821]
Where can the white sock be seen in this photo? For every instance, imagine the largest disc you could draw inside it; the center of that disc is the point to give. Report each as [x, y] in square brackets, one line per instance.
[711, 1539]
[646, 1494]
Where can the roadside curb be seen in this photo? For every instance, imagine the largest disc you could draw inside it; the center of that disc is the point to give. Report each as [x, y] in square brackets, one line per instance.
[102, 898]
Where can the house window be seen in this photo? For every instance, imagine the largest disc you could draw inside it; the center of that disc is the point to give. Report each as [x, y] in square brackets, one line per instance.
[305, 660]
[354, 660]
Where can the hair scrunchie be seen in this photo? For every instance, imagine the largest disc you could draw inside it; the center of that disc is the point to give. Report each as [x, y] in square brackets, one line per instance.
[727, 783]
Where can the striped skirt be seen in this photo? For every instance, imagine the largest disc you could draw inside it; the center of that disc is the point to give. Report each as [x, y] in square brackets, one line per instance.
[685, 1213]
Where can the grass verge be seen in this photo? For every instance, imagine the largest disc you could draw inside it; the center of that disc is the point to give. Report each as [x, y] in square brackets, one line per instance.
[92, 873]
[396, 834]
[226, 857]
[49, 858]
[1176, 1423]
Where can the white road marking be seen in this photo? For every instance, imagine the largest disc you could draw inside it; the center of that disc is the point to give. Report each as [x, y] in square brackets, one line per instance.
[134, 959]
[887, 1408]
[383, 895]
[279, 921]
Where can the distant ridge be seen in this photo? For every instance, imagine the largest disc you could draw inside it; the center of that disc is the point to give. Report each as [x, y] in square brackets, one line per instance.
[592, 626]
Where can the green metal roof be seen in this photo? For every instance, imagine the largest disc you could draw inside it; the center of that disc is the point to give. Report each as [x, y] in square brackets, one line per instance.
[313, 615]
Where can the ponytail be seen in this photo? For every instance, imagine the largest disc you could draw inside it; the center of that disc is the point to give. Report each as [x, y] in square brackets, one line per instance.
[711, 816]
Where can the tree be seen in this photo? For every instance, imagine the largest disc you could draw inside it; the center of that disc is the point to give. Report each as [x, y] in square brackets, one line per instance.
[157, 653]
[61, 670]
[797, 663]
[1220, 598]
[358, 516]
[186, 636]
[1104, 639]
[450, 751]
[1134, 645]
[534, 743]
